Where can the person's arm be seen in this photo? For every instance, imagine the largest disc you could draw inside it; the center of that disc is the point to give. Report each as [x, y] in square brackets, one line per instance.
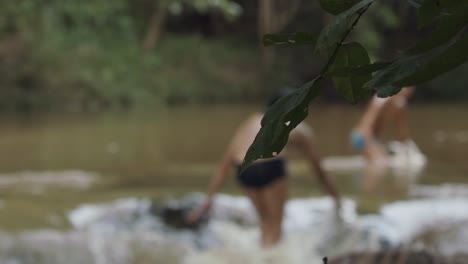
[219, 176]
[217, 180]
[402, 133]
[303, 138]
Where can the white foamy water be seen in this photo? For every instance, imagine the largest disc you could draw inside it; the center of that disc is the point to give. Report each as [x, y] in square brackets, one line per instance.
[78, 247]
[38, 181]
[414, 217]
[405, 159]
[446, 190]
[124, 231]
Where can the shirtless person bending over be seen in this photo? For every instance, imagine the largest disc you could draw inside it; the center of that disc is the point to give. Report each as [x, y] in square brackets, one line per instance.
[380, 111]
[265, 182]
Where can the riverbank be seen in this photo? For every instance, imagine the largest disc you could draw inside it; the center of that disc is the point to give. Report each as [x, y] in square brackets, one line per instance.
[99, 73]
[83, 73]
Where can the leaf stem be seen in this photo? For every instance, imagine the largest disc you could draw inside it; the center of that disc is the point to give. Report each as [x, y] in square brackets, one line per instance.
[332, 58]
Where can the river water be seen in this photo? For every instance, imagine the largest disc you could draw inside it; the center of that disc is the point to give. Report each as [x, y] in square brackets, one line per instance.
[82, 188]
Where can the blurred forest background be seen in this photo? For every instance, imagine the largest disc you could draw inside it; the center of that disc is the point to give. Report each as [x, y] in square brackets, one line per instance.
[100, 54]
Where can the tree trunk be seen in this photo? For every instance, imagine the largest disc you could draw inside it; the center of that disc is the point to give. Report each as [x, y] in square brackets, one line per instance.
[155, 27]
[285, 16]
[270, 20]
[264, 22]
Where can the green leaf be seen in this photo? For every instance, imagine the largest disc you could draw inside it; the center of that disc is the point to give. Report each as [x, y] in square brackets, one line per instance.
[299, 38]
[351, 87]
[420, 68]
[279, 120]
[416, 3]
[334, 31]
[387, 91]
[398, 70]
[444, 4]
[447, 28]
[364, 69]
[447, 6]
[428, 12]
[452, 57]
[336, 7]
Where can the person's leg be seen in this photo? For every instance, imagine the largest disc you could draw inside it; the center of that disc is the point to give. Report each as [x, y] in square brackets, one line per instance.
[372, 174]
[274, 197]
[255, 198]
[375, 153]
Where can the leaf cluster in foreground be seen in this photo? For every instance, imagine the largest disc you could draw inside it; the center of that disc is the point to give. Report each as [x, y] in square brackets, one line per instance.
[351, 70]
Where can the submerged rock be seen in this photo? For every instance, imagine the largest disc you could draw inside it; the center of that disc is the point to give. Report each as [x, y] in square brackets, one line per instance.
[400, 257]
[174, 212]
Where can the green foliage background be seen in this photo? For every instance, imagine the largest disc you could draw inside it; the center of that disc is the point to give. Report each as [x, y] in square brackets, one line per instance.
[79, 55]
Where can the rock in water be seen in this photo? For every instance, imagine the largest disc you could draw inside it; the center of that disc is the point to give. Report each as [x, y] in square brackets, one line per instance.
[395, 256]
[174, 213]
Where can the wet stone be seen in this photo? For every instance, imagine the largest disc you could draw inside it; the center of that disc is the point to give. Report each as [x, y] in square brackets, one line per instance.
[174, 213]
[399, 256]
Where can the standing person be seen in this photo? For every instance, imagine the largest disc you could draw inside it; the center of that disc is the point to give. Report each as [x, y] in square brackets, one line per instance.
[264, 181]
[379, 112]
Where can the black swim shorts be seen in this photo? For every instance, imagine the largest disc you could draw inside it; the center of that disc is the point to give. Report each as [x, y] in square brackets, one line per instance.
[261, 174]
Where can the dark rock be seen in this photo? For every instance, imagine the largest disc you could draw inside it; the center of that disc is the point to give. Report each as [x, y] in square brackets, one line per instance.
[393, 256]
[174, 213]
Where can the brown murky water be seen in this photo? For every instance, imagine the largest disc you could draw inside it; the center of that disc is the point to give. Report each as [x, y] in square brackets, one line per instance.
[169, 152]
